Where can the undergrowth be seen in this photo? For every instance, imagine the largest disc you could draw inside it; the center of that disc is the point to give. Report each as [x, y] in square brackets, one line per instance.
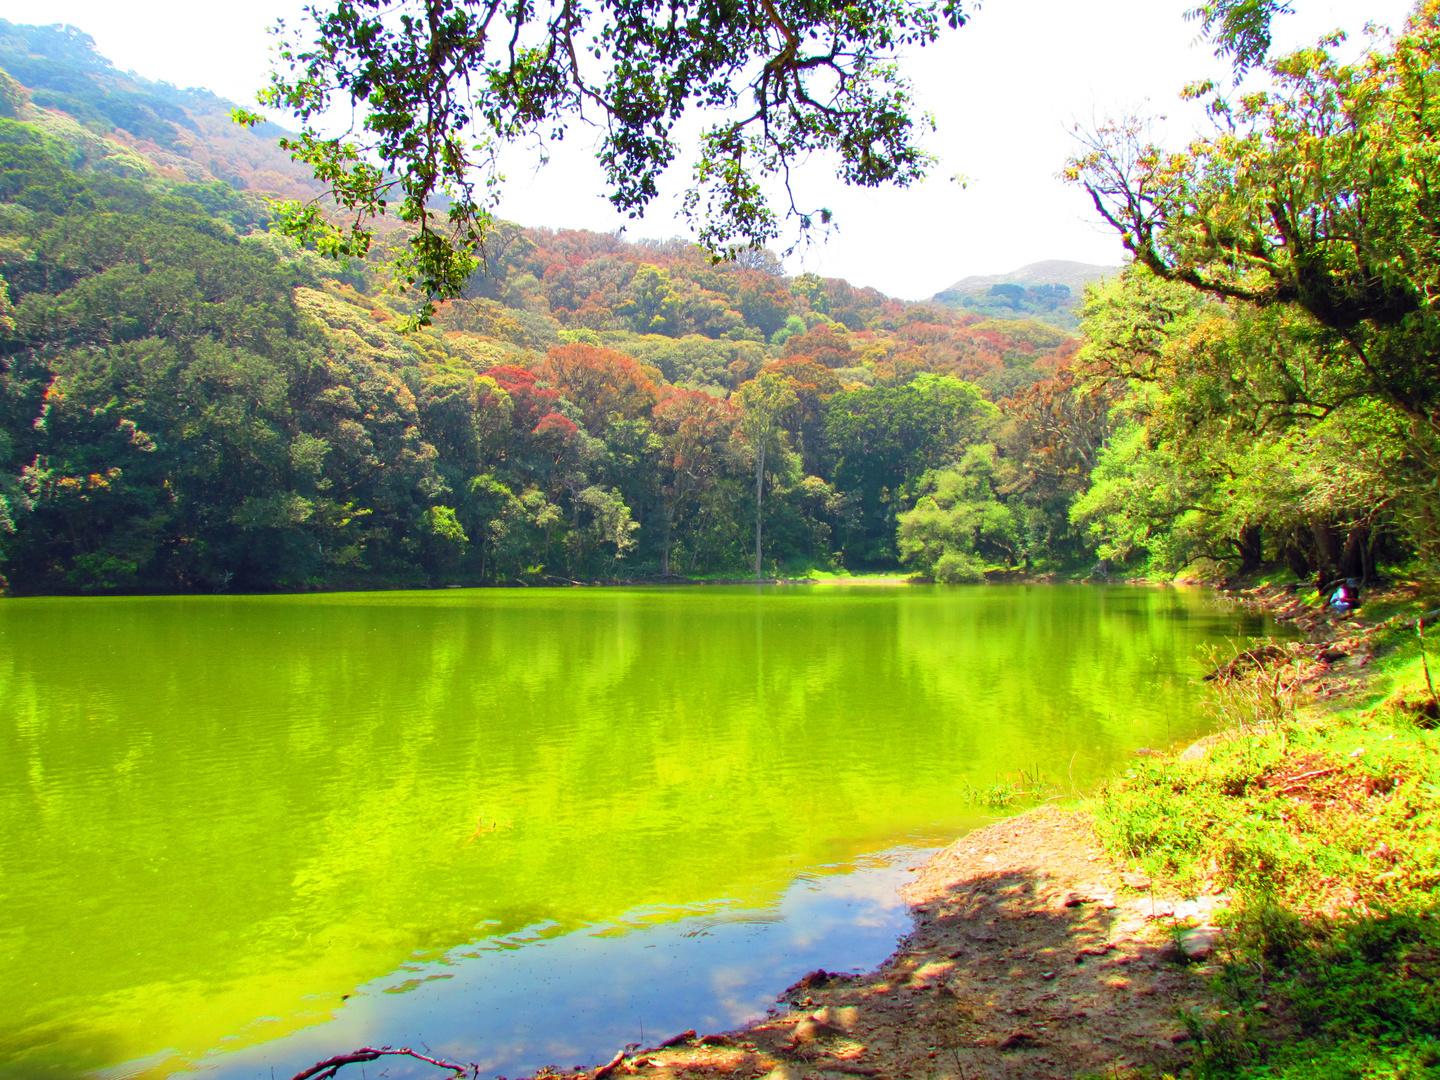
[1323, 816]
[1323, 830]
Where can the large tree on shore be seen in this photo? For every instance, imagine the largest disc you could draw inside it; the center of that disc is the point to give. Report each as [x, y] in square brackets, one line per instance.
[1309, 221]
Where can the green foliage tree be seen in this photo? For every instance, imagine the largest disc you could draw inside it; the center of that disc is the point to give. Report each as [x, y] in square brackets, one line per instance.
[518, 527]
[958, 523]
[444, 539]
[765, 402]
[1013, 295]
[607, 521]
[1239, 29]
[881, 438]
[1311, 196]
[654, 305]
[1291, 400]
[1243, 432]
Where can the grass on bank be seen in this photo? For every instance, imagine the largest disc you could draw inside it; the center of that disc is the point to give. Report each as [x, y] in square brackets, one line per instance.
[1322, 826]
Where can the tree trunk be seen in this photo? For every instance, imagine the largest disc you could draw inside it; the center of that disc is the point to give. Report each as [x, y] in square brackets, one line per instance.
[1252, 549]
[759, 502]
[665, 546]
[1327, 549]
[1352, 559]
[1297, 554]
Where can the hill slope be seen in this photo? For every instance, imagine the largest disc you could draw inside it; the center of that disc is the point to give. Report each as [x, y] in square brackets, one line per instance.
[186, 134]
[1049, 291]
[1074, 275]
[188, 401]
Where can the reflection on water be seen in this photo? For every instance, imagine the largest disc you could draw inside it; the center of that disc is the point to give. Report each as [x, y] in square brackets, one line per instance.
[218, 815]
[535, 998]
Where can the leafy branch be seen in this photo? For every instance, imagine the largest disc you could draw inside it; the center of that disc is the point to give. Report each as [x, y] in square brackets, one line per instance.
[436, 87]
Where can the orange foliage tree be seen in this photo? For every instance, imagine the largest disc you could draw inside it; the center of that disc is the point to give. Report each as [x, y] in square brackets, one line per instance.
[530, 402]
[822, 345]
[601, 382]
[694, 430]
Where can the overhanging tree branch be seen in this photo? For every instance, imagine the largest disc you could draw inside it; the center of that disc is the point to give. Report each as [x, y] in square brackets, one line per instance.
[438, 85]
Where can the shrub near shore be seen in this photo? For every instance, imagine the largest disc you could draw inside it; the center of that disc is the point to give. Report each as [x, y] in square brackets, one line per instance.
[1320, 824]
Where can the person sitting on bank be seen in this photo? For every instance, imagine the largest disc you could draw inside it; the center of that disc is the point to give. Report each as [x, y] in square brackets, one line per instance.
[1347, 597]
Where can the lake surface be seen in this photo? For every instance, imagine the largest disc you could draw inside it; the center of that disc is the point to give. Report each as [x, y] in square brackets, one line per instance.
[521, 827]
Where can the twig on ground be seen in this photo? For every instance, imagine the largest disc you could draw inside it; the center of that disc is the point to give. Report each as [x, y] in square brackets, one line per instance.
[1292, 782]
[1424, 660]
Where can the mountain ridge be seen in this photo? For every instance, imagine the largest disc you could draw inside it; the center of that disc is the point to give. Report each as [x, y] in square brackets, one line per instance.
[185, 134]
[1067, 272]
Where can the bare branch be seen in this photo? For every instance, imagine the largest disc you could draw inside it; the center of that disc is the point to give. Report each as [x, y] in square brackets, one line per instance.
[325, 1070]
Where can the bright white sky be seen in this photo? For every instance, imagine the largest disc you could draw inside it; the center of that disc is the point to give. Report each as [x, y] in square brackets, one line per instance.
[1005, 91]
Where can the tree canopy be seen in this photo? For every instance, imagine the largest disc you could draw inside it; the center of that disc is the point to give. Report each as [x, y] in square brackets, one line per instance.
[1274, 342]
[1315, 194]
[193, 402]
[1239, 29]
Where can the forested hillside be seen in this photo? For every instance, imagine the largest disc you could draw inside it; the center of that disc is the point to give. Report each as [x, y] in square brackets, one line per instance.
[1050, 292]
[193, 403]
[149, 128]
[190, 402]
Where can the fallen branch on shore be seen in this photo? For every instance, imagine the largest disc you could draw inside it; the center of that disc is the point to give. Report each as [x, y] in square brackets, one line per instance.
[1425, 621]
[325, 1070]
[1294, 783]
[608, 1068]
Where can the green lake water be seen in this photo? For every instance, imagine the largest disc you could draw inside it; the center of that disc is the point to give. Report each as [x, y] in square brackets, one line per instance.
[245, 833]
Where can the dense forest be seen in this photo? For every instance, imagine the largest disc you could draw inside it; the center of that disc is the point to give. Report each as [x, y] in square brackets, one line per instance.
[191, 402]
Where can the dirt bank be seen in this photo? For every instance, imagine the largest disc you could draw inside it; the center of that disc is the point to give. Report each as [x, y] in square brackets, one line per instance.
[1031, 956]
